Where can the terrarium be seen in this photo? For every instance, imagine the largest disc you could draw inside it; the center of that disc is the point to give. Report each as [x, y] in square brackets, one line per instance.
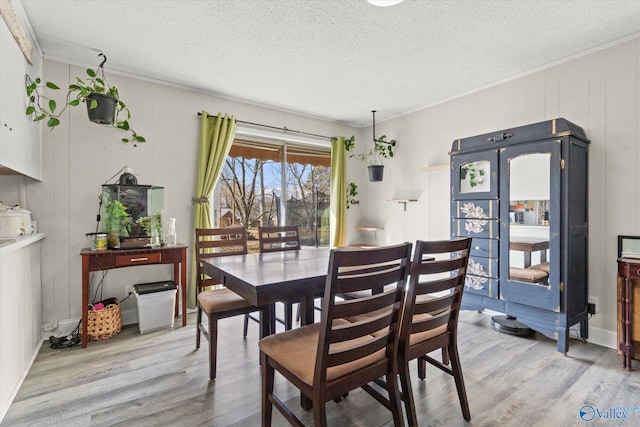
[132, 215]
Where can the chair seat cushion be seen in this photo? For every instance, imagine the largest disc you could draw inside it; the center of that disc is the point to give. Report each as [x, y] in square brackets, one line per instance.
[527, 275]
[542, 267]
[296, 351]
[221, 300]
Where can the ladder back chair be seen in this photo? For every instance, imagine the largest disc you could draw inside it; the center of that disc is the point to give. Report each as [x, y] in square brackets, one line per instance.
[280, 238]
[430, 316]
[326, 360]
[217, 302]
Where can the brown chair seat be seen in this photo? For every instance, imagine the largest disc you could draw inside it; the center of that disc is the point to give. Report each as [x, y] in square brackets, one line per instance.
[296, 351]
[221, 300]
[542, 267]
[528, 275]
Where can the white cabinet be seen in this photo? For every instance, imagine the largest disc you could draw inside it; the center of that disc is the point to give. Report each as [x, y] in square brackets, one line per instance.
[20, 138]
[20, 314]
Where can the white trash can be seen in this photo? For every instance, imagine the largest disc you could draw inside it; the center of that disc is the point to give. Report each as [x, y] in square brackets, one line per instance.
[156, 302]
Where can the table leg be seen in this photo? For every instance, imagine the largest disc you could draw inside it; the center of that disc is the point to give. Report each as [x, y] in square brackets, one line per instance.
[527, 259]
[85, 299]
[267, 320]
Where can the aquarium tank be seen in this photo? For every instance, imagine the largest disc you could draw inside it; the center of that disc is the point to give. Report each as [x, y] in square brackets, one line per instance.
[132, 215]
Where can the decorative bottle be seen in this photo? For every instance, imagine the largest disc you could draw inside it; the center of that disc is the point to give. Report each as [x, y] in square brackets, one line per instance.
[170, 238]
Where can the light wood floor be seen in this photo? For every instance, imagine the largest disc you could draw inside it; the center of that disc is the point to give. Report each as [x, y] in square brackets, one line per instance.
[159, 379]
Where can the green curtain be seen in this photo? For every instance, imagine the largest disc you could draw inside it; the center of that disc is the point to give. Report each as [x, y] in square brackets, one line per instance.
[338, 220]
[216, 137]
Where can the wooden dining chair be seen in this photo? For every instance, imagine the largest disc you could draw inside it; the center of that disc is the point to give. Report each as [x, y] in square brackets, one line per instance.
[326, 360]
[280, 238]
[430, 316]
[217, 302]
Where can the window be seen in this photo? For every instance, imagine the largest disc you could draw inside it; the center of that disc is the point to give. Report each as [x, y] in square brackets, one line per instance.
[276, 183]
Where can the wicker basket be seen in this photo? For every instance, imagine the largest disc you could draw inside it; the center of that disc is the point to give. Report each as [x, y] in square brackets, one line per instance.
[106, 323]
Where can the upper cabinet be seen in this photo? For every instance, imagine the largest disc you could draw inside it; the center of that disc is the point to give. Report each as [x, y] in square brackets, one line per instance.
[521, 194]
[20, 137]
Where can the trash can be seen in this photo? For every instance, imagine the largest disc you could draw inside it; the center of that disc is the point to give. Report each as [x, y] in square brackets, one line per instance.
[155, 302]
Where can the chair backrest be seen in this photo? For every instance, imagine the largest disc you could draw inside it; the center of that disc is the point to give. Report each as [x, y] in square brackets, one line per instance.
[359, 329]
[217, 242]
[438, 272]
[278, 238]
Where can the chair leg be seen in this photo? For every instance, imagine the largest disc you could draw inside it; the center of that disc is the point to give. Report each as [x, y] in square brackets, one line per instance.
[394, 399]
[319, 414]
[267, 390]
[213, 345]
[407, 394]
[245, 328]
[422, 368]
[445, 356]
[198, 320]
[457, 375]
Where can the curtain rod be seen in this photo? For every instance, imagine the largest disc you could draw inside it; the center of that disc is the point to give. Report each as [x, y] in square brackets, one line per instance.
[275, 127]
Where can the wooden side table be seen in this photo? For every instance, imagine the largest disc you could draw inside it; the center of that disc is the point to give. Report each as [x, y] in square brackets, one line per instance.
[108, 259]
[628, 283]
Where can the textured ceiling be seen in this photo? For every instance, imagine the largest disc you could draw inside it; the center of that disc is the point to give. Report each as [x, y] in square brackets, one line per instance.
[335, 60]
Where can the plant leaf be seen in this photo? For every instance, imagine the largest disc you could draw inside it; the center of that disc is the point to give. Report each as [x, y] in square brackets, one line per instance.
[94, 104]
[30, 110]
[74, 102]
[52, 85]
[140, 138]
[52, 105]
[53, 122]
[91, 73]
[40, 117]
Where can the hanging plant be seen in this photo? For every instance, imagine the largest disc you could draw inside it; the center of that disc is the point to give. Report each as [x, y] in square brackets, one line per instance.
[104, 105]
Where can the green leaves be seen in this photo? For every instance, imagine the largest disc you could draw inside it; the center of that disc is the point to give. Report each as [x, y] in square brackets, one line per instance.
[41, 107]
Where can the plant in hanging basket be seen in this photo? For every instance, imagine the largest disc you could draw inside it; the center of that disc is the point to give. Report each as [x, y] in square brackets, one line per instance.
[104, 105]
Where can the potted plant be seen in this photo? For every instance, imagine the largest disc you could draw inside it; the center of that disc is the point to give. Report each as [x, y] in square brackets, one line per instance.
[382, 149]
[104, 105]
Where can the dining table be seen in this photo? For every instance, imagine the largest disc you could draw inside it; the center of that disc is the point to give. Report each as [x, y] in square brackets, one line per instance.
[266, 278]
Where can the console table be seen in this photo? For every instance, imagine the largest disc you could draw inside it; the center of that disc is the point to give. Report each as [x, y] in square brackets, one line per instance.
[628, 284]
[93, 260]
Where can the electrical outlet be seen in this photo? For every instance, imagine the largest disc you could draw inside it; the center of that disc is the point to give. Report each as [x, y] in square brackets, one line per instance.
[128, 290]
[49, 327]
[593, 304]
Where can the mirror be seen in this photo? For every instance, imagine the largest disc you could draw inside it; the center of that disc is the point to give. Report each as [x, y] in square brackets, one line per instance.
[529, 207]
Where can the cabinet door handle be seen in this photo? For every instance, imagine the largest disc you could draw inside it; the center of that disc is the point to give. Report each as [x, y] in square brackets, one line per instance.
[638, 272]
[139, 259]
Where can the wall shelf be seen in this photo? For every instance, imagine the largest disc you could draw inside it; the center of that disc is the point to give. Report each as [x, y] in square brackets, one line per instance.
[435, 168]
[402, 201]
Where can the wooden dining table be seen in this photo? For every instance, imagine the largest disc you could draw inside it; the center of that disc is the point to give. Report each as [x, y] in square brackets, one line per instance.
[266, 278]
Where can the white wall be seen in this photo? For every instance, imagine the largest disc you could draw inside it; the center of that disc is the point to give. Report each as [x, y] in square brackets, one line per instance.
[599, 92]
[80, 156]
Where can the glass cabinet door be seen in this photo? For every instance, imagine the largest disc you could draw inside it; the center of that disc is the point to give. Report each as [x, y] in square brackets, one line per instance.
[530, 224]
[475, 176]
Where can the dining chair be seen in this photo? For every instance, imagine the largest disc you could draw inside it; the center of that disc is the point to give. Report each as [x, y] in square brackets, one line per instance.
[217, 302]
[430, 316]
[328, 359]
[280, 238]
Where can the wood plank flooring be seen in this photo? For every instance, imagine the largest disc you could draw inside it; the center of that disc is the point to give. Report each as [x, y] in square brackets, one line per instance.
[159, 379]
